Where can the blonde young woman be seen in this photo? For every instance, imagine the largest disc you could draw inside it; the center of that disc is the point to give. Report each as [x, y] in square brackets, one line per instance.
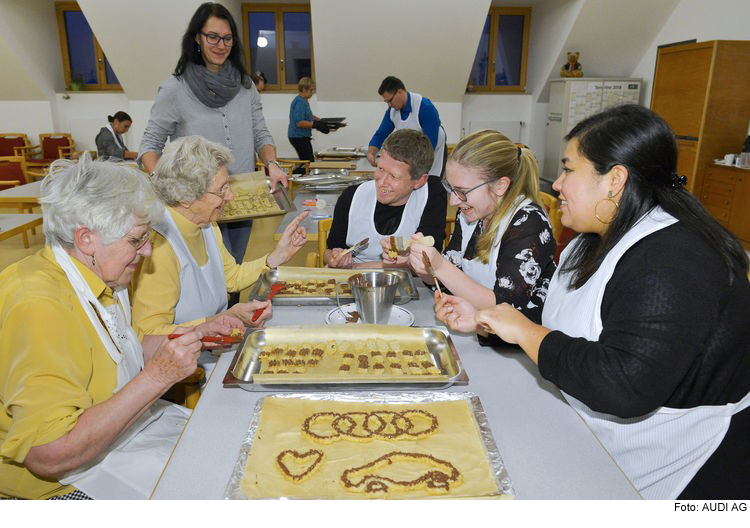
[502, 249]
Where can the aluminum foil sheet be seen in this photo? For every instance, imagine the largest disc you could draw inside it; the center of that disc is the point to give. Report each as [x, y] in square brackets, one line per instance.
[234, 491]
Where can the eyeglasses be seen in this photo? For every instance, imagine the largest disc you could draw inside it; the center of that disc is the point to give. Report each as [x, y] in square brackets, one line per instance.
[388, 101]
[222, 192]
[461, 195]
[213, 39]
[138, 243]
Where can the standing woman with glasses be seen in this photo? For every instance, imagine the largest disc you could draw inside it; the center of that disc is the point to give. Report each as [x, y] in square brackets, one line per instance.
[502, 248]
[211, 95]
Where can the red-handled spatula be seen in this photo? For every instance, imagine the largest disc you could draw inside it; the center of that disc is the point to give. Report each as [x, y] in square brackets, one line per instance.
[275, 288]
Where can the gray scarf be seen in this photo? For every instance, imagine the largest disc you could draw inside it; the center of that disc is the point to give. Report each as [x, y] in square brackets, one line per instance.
[213, 89]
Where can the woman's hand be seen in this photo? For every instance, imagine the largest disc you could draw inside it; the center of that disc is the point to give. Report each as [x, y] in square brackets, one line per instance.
[175, 359]
[339, 261]
[458, 314]
[505, 321]
[245, 312]
[292, 239]
[277, 175]
[400, 260]
[416, 261]
[221, 324]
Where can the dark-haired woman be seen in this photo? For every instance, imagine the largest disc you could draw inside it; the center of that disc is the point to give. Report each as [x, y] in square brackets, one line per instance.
[109, 143]
[211, 95]
[646, 326]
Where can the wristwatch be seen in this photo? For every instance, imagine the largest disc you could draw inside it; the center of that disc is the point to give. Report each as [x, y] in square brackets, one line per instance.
[273, 162]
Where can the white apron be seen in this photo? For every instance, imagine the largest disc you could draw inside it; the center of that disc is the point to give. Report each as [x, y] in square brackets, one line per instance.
[362, 220]
[662, 451]
[203, 289]
[130, 467]
[118, 139]
[484, 274]
[412, 122]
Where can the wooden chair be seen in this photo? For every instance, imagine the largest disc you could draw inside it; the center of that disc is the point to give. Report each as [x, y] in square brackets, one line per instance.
[450, 224]
[552, 205]
[188, 391]
[51, 147]
[12, 171]
[315, 259]
[296, 163]
[9, 143]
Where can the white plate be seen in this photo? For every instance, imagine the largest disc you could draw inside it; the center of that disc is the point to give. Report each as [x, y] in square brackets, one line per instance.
[399, 316]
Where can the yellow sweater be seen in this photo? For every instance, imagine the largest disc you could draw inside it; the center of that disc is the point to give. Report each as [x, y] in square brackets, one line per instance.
[53, 365]
[156, 285]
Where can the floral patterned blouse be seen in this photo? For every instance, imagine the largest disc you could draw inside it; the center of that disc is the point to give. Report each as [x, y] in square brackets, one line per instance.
[525, 261]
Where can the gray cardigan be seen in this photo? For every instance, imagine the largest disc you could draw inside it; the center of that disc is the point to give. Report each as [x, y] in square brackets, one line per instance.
[106, 146]
[238, 125]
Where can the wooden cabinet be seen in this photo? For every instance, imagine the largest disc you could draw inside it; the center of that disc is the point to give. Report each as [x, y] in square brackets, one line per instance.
[703, 92]
[726, 195]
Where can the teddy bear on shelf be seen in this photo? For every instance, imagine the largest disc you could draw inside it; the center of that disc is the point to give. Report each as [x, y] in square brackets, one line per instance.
[572, 68]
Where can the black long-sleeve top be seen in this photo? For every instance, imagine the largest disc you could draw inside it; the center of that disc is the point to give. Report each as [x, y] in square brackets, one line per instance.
[675, 334]
[525, 261]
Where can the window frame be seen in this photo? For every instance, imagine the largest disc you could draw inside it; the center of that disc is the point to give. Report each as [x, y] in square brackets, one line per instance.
[101, 74]
[278, 10]
[494, 13]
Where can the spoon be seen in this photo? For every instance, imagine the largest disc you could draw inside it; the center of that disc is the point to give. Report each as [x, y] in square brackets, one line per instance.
[275, 288]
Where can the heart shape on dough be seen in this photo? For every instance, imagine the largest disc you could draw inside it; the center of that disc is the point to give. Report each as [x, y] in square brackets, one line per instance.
[298, 466]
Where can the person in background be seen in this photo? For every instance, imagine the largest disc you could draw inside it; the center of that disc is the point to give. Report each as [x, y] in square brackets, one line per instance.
[401, 201]
[186, 280]
[80, 386]
[502, 248]
[109, 143]
[259, 79]
[646, 326]
[409, 110]
[211, 95]
[302, 121]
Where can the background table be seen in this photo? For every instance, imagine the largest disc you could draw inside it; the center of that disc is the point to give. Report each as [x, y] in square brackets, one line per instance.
[311, 222]
[25, 196]
[548, 450]
[13, 224]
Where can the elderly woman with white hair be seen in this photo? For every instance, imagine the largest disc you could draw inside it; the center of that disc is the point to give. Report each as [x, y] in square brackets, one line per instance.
[187, 278]
[80, 386]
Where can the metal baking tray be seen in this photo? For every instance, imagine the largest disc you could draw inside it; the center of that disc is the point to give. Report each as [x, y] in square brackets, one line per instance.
[253, 180]
[440, 351]
[343, 152]
[331, 179]
[407, 289]
[502, 478]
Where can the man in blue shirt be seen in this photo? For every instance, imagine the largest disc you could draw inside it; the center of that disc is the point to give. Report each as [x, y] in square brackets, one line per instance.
[409, 110]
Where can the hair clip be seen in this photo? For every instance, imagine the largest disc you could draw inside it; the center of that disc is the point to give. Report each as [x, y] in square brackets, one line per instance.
[678, 181]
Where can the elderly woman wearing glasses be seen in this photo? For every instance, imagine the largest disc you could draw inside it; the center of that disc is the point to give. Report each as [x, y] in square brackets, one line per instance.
[79, 386]
[502, 249]
[189, 273]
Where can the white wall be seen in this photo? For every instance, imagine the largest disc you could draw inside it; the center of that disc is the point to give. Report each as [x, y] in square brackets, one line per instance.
[701, 20]
[27, 117]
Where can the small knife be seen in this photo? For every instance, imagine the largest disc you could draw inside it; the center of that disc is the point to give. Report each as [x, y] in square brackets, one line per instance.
[428, 265]
[356, 247]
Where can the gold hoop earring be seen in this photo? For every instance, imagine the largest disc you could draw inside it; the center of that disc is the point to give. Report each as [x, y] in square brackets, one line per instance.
[607, 199]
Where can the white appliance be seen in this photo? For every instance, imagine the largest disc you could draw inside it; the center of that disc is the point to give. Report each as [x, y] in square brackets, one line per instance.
[572, 100]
